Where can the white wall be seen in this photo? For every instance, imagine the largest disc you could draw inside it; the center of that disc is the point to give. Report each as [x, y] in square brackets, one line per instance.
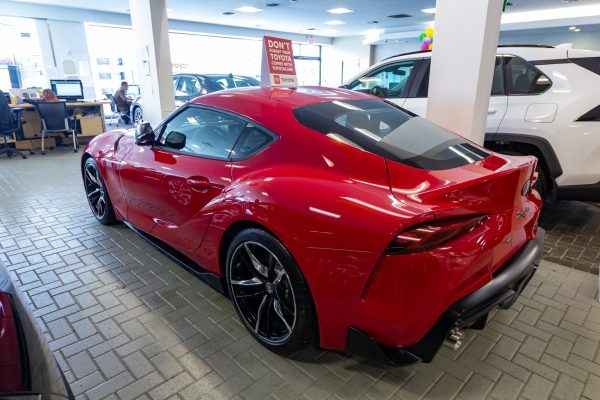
[69, 43]
[346, 57]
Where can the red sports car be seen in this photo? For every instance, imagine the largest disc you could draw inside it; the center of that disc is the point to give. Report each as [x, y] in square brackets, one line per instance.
[327, 215]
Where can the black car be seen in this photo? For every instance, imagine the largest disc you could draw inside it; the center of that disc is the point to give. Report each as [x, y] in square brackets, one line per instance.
[27, 368]
[188, 86]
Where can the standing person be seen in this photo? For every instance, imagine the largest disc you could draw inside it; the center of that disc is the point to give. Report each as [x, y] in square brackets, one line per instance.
[7, 120]
[123, 102]
[49, 96]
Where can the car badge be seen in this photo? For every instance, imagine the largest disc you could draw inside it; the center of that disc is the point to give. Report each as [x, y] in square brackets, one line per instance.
[522, 213]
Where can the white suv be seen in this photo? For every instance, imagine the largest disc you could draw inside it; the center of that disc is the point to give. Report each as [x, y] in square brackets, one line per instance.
[545, 102]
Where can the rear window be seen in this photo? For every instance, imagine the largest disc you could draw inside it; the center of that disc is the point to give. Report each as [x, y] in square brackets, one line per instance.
[386, 130]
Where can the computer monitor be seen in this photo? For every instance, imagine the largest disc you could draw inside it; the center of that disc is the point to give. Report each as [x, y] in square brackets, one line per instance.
[67, 89]
[134, 90]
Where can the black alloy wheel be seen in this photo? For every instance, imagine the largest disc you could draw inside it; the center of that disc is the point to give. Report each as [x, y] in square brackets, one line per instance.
[97, 195]
[269, 292]
[138, 115]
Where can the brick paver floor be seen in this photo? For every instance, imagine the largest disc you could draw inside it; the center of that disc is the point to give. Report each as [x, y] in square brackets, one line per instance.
[124, 322]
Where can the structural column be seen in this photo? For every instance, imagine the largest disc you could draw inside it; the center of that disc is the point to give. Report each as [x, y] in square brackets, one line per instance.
[462, 65]
[151, 32]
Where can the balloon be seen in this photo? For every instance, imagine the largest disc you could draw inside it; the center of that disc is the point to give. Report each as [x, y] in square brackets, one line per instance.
[423, 47]
[429, 32]
[422, 36]
[426, 41]
[430, 46]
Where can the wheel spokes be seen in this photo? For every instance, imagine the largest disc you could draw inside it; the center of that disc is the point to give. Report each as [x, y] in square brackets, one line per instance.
[258, 266]
[262, 291]
[259, 312]
[277, 309]
[248, 282]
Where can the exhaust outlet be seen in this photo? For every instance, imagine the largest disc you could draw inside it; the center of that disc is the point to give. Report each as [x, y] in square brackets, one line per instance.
[455, 338]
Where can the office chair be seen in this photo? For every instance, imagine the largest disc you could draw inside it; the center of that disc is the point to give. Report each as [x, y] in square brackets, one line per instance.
[114, 108]
[8, 133]
[55, 120]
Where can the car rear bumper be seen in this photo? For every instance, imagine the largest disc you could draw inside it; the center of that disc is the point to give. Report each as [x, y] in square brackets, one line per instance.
[469, 312]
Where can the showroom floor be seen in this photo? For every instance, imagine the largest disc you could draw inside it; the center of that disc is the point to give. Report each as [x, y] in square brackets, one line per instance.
[125, 322]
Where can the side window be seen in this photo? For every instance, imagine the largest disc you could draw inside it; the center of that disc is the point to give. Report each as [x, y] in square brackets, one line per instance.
[202, 132]
[522, 78]
[188, 85]
[392, 79]
[241, 83]
[497, 83]
[253, 140]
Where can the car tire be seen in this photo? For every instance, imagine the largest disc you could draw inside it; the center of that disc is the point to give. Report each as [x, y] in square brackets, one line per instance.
[97, 194]
[541, 185]
[269, 292]
[138, 115]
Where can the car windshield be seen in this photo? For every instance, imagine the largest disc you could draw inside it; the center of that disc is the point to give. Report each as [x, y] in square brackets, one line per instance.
[384, 129]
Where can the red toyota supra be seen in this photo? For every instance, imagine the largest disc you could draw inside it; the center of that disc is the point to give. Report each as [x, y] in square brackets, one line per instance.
[327, 216]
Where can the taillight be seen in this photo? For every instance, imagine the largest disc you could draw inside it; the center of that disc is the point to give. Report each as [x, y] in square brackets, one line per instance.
[432, 234]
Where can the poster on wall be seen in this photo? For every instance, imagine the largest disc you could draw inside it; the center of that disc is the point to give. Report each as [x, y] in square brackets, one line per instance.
[278, 68]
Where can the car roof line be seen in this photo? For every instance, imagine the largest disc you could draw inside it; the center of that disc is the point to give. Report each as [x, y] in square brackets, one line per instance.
[540, 46]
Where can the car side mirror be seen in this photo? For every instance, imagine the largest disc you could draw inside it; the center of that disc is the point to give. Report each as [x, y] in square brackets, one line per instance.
[345, 87]
[175, 140]
[144, 134]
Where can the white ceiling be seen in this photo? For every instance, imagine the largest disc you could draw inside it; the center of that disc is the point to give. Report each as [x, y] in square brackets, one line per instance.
[301, 15]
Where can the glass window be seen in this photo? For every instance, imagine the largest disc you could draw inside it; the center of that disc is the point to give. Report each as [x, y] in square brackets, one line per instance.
[202, 132]
[522, 78]
[497, 83]
[384, 129]
[391, 79]
[253, 140]
[188, 86]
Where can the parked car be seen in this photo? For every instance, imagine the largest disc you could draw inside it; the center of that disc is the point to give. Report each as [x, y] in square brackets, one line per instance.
[325, 216]
[188, 86]
[27, 368]
[544, 103]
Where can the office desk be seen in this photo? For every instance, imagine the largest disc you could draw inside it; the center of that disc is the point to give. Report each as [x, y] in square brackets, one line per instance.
[90, 125]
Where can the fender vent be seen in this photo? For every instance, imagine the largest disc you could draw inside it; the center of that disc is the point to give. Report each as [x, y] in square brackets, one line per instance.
[592, 115]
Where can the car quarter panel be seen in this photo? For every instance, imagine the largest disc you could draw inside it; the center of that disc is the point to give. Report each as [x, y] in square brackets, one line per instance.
[108, 150]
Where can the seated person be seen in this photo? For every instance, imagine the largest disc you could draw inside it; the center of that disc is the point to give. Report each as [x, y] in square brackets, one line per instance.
[49, 96]
[123, 102]
[7, 119]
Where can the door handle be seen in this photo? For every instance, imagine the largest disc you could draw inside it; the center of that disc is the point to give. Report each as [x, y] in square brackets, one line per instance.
[200, 183]
[492, 111]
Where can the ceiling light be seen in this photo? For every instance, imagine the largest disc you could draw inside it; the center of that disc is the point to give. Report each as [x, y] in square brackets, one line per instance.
[572, 28]
[576, 30]
[271, 4]
[428, 10]
[552, 14]
[248, 9]
[340, 10]
[228, 13]
[334, 22]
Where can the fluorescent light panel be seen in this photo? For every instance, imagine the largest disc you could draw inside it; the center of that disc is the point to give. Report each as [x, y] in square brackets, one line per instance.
[248, 9]
[340, 10]
[334, 22]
